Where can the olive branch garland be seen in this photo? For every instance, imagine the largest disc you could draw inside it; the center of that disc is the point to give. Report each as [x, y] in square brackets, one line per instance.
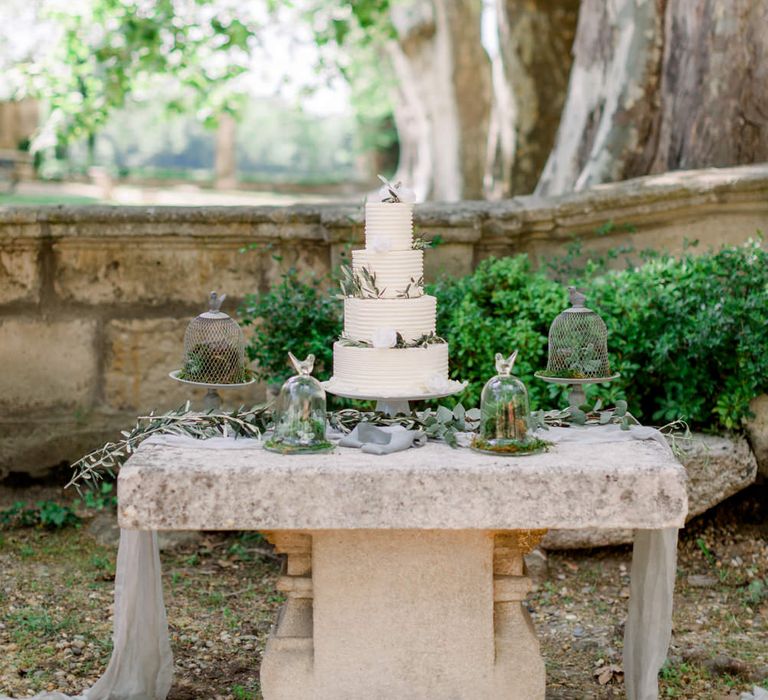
[106, 460]
[442, 423]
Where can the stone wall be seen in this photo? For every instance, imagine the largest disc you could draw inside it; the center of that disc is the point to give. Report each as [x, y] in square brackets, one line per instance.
[94, 300]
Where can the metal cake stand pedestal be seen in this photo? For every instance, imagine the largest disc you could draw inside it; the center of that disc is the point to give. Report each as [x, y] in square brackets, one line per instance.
[212, 400]
[394, 404]
[577, 397]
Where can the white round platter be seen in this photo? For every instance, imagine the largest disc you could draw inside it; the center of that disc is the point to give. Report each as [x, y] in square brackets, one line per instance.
[413, 396]
[175, 375]
[565, 380]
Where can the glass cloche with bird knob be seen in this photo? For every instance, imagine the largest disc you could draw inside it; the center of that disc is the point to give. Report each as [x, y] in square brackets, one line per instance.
[505, 416]
[300, 413]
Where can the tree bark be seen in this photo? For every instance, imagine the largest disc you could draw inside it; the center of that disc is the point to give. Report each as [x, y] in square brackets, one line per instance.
[614, 80]
[661, 85]
[535, 41]
[714, 86]
[444, 97]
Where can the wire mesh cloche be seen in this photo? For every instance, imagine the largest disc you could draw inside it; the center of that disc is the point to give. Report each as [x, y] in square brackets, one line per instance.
[578, 343]
[505, 416]
[578, 350]
[300, 413]
[214, 348]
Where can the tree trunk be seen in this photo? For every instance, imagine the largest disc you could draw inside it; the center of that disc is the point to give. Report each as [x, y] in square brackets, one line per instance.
[535, 41]
[225, 165]
[444, 97]
[714, 86]
[659, 85]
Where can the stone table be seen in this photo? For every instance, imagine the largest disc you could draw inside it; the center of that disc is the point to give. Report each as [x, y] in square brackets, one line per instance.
[404, 575]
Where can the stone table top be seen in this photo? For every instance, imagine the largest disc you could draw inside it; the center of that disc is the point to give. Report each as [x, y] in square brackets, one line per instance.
[630, 484]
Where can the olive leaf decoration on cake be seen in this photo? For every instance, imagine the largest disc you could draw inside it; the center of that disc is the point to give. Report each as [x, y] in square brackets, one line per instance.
[414, 289]
[422, 341]
[395, 193]
[360, 284]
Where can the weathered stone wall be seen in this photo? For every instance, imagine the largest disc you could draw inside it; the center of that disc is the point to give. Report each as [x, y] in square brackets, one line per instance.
[94, 300]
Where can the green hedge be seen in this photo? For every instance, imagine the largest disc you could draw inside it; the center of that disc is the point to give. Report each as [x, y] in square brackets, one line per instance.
[298, 316]
[689, 336]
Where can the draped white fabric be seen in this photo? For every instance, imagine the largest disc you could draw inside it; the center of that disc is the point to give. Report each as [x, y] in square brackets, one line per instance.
[648, 630]
[141, 666]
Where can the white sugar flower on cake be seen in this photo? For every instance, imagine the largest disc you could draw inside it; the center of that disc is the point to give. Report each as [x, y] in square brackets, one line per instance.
[379, 244]
[384, 338]
[440, 384]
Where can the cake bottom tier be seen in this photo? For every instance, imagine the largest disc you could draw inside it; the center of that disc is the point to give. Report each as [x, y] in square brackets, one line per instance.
[390, 371]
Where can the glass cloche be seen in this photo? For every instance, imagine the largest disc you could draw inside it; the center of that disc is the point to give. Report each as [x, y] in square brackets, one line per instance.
[505, 416]
[300, 413]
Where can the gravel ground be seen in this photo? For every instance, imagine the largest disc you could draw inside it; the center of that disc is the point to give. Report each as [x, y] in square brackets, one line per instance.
[56, 602]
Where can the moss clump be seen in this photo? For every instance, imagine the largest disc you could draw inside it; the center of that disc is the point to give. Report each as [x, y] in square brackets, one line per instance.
[286, 448]
[564, 374]
[512, 447]
[215, 363]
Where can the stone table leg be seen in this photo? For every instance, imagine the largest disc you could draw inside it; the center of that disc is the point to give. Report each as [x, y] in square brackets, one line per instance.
[517, 647]
[403, 615]
[286, 669]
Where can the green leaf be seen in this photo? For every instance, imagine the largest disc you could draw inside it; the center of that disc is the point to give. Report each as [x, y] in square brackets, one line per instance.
[473, 415]
[444, 414]
[578, 417]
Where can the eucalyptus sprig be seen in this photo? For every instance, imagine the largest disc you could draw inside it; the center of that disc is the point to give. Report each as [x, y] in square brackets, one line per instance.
[247, 423]
[441, 424]
[677, 433]
[584, 415]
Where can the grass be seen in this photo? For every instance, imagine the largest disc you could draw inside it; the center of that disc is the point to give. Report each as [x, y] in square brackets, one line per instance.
[36, 200]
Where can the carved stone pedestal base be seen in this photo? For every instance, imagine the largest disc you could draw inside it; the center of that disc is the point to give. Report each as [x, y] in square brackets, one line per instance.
[403, 615]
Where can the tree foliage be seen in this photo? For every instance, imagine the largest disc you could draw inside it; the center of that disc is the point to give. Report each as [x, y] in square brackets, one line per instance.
[185, 53]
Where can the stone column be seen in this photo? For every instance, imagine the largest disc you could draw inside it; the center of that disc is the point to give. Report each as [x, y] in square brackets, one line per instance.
[406, 614]
[519, 672]
[287, 666]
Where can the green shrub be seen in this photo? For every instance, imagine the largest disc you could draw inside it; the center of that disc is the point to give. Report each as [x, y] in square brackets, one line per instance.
[46, 514]
[689, 336]
[295, 316]
[502, 306]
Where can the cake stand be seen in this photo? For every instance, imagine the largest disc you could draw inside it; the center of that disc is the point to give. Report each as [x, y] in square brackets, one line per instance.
[393, 404]
[212, 400]
[577, 397]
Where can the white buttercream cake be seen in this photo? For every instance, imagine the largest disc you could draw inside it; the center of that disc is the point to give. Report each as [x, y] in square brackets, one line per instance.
[389, 347]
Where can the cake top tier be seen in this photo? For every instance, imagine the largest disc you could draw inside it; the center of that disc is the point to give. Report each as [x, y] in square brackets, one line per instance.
[388, 226]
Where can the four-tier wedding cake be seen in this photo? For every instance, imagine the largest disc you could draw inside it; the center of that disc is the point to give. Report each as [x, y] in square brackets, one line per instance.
[389, 347]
